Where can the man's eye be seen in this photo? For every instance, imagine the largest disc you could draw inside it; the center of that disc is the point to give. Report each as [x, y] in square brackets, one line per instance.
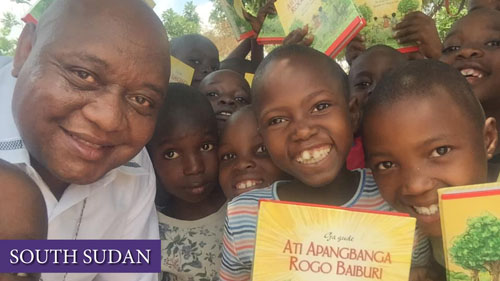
[493, 43]
[450, 49]
[241, 100]
[171, 155]
[261, 149]
[440, 151]
[385, 165]
[228, 156]
[84, 75]
[212, 94]
[321, 106]
[276, 121]
[142, 101]
[207, 147]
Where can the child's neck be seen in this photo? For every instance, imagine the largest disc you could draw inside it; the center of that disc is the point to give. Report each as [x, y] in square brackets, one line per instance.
[182, 210]
[336, 193]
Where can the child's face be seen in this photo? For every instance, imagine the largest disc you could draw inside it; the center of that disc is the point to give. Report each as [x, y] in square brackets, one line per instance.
[202, 56]
[304, 119]
[244, 163]
[92, 103]
[367, 70]
[473, 47]
[185, 160]
[413, 157]
[227, 92]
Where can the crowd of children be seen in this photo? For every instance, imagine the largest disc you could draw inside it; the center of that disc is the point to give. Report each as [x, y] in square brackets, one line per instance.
[383, 137]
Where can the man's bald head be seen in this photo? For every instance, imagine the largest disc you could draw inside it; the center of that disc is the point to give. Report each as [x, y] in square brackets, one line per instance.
[22, 209]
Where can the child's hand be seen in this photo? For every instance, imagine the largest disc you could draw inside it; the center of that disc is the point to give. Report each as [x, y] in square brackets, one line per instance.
[256, 22]
[417, 27]
[355, 48]
[299, 36]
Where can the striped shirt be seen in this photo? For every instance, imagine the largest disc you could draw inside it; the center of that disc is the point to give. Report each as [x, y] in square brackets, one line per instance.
[241, 224]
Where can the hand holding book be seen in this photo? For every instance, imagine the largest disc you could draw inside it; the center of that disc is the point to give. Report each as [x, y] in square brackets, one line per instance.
[300, 36]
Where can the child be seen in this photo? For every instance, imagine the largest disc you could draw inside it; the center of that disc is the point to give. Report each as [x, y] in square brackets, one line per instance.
[244, 163]
[473, 48]
[423, 129]
[301, 104]
[366, 70]
[227, 91]
[184, 154]
[23, 215]
[198, 52]
[491, 4]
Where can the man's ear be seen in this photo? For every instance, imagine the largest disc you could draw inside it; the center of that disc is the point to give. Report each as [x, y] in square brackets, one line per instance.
[490, 136]
[355, 111]
[24, 45]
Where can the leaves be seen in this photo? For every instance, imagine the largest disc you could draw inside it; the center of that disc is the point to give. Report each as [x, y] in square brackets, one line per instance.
[178, 25]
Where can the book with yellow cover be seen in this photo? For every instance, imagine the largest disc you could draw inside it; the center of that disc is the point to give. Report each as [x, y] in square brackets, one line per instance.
[332, 22]
[249, 78]
[381, 17]
[470, 224]
[180, 72]
[304, 242]
[233, 9]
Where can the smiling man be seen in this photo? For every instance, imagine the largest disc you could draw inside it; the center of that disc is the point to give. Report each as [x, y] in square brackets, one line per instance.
[91, 78]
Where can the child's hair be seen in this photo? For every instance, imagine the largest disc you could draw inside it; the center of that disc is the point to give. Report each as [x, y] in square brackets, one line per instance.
[417, 78]
[178, 43]
[319, 59]
[181, 99]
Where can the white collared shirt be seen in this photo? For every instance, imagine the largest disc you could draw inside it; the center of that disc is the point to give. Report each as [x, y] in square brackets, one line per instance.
[118, 206]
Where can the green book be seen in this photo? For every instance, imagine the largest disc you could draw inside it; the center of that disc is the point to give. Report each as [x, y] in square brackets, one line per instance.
[233, 9]
[37, 10]
[271, 32]
[381, 16]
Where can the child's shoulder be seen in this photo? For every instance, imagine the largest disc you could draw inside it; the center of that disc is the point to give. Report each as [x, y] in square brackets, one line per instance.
[252, 197]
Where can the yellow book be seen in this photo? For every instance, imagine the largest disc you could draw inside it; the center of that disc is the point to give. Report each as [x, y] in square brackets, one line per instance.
[470, 224]
[180, 72]
[249, 78]
[304, 242]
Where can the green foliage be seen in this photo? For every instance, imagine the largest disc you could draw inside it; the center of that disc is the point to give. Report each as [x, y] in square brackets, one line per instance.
[178, 25]
[444, 21]
[458, 276]
[477, 248]
[366, 12]
[406, 6]
[7, 46]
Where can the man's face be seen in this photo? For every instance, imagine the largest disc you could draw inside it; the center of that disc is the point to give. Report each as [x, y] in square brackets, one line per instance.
[88, 94]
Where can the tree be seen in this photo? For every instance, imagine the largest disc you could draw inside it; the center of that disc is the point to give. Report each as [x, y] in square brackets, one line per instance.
[178, 25]
[406, 6]
[477, 248]
[366, 12]
[7, 46]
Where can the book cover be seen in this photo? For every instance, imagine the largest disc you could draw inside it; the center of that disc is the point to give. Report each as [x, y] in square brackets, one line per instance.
[242, 29]
[304, 242]
[381, 17]
[180, 72]
[249, 78]
[272, 31]
[470, 224]
[332, 22]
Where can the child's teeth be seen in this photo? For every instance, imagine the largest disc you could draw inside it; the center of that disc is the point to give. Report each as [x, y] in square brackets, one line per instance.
[431, 210]
[247, 184]
[314, 155]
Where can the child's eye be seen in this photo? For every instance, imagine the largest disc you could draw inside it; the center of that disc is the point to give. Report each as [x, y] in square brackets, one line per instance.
[451, 49]
[241, 100]
[385, 165]
[228, 156]
[261, 149]
[276, 121]
[207, 147]
[493, 43]
[440, 151]
[212, 94]
[362, 85]
[321, 106]
[171, 155]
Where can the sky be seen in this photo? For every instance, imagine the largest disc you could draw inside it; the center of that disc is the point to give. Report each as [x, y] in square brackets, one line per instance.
[203, 7]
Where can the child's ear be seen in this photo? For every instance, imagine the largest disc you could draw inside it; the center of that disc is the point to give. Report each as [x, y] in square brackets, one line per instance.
[490, 136]
[355, 111]
[23, 49]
